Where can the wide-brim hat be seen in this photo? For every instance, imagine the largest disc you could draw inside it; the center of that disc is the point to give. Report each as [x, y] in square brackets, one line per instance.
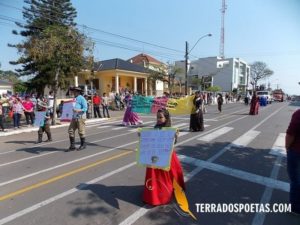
[76, 89]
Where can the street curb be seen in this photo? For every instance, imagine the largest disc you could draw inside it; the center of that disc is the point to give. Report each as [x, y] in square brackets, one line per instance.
[27, 130]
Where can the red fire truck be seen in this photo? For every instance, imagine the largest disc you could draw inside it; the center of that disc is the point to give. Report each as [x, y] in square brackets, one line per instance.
[278, 95]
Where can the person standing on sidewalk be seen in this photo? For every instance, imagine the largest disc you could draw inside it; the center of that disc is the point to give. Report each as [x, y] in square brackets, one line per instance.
[292, 144]
[105, 105]
[97, 102]
[17, 109]
[28, 110]
[1, 117]
[78, 120]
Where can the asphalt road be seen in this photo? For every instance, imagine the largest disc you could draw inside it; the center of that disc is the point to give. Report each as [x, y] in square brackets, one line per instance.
[238, 160]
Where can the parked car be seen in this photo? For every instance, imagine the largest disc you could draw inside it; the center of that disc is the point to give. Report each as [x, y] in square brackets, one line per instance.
[265, 94]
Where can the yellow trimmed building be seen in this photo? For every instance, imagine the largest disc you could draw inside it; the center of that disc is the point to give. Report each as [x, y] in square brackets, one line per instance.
[115, 75]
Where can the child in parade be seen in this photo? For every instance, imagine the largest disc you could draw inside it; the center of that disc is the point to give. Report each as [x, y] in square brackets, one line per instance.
[42, 107]
[158, 189]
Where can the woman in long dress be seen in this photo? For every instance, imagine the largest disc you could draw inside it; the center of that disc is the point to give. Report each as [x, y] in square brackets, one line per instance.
[158, 189]
[130, 118]
[196, 118]
[254, 105]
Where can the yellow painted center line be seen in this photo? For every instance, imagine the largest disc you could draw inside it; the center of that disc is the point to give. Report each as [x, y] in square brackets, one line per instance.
[59, 177]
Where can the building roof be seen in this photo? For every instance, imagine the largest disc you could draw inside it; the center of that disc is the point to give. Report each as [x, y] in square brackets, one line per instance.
[141, 58]
[6, 83]
[119, 64]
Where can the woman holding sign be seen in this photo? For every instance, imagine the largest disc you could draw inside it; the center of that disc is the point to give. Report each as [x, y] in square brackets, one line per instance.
[158, 189]
[130, 118]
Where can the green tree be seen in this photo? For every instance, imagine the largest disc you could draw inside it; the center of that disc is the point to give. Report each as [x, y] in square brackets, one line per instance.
[259, 71]
[172, 71]
[215, 88]
[53, 49]
[39, 15]
[59, 53]
[19, 85]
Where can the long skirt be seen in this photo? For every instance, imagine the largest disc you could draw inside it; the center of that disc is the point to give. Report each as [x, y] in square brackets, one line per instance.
[131, 118]
[254, 108]
[158, 189]
[196, 121]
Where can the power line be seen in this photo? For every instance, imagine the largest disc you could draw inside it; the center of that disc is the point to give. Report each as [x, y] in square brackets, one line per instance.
[108, 33]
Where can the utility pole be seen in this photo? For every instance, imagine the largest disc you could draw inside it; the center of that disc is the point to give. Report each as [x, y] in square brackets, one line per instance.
[186, 66]
[187, 52]
[222, 37]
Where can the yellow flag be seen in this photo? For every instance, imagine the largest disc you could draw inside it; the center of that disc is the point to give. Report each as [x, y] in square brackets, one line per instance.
[181, 199]
[180, 106]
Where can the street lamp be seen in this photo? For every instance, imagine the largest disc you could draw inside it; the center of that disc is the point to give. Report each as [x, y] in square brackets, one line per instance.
[187, 52]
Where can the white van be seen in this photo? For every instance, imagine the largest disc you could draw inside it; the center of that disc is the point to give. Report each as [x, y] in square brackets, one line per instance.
[266, 94]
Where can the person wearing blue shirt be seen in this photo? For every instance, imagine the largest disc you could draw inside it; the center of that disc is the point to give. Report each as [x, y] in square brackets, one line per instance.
[78, 120]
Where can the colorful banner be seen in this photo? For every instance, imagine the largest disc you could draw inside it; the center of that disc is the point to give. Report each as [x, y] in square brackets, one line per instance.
[67, 112]
[180, 106]
[158, 103]
[155, 147]
[39, 118]
[141, 104]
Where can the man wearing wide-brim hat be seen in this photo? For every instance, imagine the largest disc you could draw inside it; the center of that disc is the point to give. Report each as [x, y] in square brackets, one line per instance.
[78, 120]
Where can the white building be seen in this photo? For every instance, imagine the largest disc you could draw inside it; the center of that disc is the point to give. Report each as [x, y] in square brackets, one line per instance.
[6, 87]
[229, 74]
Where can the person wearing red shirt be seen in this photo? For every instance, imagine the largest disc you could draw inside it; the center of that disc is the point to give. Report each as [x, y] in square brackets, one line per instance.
[97, 102]
[292, 144]
[28, 107]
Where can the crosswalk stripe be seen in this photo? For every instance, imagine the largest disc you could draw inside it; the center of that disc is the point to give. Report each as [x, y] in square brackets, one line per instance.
[180, 125]
[102, 127]
[278, 148]
[246, 138]
[215, 134]
[118, 128]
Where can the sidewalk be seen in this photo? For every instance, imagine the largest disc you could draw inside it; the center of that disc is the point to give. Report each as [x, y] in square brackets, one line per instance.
[24, 128]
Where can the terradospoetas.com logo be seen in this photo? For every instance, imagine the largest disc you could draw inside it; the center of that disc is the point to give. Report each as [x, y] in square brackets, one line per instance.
[242, 208]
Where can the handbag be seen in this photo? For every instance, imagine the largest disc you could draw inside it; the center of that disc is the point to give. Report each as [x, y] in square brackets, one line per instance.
[10, 114]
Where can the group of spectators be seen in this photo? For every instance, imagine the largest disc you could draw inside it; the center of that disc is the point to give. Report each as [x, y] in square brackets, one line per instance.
[16, 107]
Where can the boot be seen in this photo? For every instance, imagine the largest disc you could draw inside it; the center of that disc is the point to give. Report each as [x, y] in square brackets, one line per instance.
[82, 144]
[49, 137]
[40, 138]
[72, 145]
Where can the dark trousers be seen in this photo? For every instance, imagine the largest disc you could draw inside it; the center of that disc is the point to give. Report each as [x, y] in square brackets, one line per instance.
[17, 118]
[220, 107]
[97, 111]
[1, 122]
[105, 109]
[5, 112]
[293, 169]
[29, 115]
[45, 128]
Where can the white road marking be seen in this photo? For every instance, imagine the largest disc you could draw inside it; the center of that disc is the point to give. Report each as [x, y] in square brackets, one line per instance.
[140, 212]
[267, 195]
[246, 138]
[103, 127]
[211, 136]
[279, 146]
[62, 195]
[65, 164]
[254, 178]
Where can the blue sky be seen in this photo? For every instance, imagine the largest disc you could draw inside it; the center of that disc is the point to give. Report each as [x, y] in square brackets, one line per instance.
[255, 30]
